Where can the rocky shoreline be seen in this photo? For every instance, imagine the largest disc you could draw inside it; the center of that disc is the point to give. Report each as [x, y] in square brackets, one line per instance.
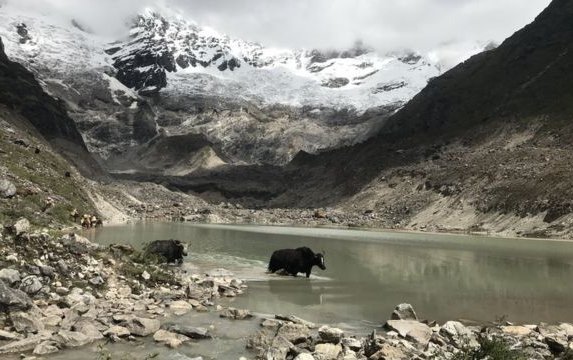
[405, 337]
[59, 292]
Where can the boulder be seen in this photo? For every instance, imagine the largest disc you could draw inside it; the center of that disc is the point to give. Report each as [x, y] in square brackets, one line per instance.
[180, 307]
[261, 340]
[193, 291]
[21, 226]
[279, 348]
[69, 319]
[6, 335]
[96, 281]
[24, 322]
[548, 330]
[77, 296]
[295, 333]
[304, 356]
[7, 189]
[62, 291]
[330, 334]
[51, 321]
[31, 285]
[389, 352]
[189, 331]
[557, 344]
[46, 347]
[47, 271]
[416, 331]
[567, 328]
[53, 310]
[68, 338]
[117, 331]
[516, 330]
[88, 328]
[457, 333]
[327, 351]
[62, 266]
[27, 344]
[142, 326]
[236, 314]
[272, 324]
[352, 343]
[10, 276]
[170, 339]
[296, 320]
[404, 312]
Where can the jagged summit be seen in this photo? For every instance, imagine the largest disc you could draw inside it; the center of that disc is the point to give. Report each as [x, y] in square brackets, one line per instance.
[163, 47]
[255, 104]
[163, 50]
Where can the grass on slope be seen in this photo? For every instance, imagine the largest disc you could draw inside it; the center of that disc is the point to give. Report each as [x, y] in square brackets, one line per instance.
[37, 177]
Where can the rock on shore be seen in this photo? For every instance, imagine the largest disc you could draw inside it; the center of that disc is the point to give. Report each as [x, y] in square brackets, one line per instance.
[405, 337]
[61, 292]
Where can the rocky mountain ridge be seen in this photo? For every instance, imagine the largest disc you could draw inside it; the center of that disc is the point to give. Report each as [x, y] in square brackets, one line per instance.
[256, 105]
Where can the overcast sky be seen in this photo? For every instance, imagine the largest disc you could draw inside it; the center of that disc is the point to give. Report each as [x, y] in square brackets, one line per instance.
[383, 24]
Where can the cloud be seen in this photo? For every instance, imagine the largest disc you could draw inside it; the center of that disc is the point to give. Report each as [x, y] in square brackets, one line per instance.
[384, 24]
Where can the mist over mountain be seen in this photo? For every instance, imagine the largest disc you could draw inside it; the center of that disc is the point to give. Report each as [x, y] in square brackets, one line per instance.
[386, 26]
[168, 76]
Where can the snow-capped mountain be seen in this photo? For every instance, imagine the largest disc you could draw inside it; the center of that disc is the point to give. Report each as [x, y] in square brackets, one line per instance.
[166, 53]
[168, 76]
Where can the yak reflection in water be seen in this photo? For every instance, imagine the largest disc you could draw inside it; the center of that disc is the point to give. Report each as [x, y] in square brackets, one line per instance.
[297, 291]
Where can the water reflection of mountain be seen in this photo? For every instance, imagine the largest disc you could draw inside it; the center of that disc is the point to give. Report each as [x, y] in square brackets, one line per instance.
[468, 284]
[470, 272]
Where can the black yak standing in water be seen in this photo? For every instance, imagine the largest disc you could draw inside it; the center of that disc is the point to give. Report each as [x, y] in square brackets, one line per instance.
[169, 250]
[294, 261]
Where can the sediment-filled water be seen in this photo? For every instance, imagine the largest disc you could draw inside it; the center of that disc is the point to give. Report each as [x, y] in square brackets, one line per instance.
[367, 274]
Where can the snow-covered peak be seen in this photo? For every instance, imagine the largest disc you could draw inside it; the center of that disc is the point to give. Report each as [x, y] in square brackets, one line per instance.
[165, 52]
[255, 103]
[169, 52]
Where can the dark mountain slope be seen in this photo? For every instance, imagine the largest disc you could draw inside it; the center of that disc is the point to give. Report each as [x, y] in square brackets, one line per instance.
[41, 114]
[529, 74]
[37, 182]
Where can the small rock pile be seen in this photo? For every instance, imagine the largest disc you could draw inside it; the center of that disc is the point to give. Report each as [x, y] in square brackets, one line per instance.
[64, 292]
[405, 337]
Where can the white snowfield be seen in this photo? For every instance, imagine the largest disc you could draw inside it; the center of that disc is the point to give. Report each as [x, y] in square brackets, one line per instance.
[266, 76]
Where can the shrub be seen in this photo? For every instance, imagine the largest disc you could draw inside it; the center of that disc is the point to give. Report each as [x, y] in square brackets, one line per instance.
[490, 349]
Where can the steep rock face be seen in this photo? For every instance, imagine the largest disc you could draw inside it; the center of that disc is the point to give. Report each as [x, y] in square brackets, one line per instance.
[20, 91]
[46, 116]
[157, 46]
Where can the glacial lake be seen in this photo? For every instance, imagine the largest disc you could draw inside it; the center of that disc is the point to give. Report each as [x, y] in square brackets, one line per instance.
[445, 277]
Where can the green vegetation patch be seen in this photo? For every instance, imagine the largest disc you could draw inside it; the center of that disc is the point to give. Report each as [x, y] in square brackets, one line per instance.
[38, 177]
[490, 349]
